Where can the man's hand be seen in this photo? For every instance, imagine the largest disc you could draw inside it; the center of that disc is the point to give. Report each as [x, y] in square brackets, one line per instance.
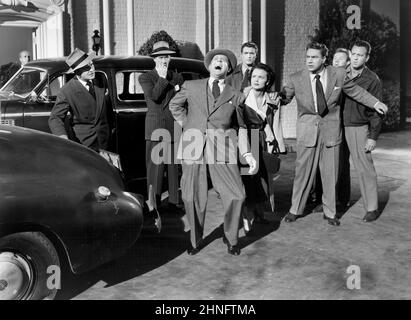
[370, 145]
[381, 108]
[162, 71]
[252, 163]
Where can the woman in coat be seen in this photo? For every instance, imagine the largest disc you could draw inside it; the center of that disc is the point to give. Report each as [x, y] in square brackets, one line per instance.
[259, 113]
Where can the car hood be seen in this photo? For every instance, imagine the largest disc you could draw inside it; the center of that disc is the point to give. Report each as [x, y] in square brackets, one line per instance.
[29, 155]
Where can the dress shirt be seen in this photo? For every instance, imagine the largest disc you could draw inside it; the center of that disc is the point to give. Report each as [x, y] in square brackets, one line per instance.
[323, 79]
[221, 84]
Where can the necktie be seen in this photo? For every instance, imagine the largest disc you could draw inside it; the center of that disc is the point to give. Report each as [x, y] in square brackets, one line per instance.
[216, 89]
[321, 103]
[91, 89]
[246, 80]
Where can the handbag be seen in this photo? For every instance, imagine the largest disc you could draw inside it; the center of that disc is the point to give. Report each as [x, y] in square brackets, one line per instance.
[271, 162]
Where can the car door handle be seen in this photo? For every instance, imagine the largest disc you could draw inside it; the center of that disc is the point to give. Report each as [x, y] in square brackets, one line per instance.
[132, 110]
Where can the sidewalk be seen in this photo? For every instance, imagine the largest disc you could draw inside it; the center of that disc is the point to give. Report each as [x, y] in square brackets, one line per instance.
[305, 260]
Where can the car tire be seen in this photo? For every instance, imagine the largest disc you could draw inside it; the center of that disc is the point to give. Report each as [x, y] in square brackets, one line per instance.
[24, 262]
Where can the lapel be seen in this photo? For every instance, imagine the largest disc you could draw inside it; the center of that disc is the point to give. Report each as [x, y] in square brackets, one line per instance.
[200, 94]
[331, 81]
[306, 85]
[99, 101]
[225, 96]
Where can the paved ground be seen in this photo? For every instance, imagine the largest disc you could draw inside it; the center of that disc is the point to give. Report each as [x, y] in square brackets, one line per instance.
[305, 260]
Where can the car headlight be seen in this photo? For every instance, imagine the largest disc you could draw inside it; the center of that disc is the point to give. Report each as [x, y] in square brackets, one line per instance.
[103, 193]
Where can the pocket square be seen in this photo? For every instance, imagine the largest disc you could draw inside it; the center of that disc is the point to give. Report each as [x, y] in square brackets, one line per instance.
[337, 88]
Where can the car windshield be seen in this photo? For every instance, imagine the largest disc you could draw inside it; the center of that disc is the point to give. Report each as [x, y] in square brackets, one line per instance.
[25, 81]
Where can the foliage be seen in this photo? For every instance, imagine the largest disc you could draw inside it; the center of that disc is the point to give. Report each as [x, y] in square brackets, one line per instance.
[147, 48]
[378, 30]
[383, 36]
[391, 96]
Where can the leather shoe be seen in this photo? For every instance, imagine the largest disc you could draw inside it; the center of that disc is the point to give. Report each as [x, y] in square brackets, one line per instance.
[333, 221]
[371, 216]
[289, 218]
[193, 251]
[233, 250]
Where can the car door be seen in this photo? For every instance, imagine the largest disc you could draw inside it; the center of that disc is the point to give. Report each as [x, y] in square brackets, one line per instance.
[130, 112]
[37, 110]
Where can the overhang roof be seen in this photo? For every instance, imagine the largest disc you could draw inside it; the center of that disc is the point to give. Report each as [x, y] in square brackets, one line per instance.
[32, 13]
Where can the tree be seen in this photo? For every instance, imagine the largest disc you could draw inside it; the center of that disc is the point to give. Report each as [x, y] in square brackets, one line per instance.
[383, 36]
[377, 29]
[147, 48]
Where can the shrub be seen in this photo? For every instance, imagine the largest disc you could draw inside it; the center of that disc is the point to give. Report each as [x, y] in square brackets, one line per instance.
[147, 48]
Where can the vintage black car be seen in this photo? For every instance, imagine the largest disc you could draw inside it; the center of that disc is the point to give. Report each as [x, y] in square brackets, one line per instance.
[60, 204]
[27, 99]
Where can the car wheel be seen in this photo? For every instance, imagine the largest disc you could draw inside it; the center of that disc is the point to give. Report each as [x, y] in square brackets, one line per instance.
[24, 260]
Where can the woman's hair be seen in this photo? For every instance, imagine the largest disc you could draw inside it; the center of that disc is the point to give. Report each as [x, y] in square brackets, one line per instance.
[268, 70]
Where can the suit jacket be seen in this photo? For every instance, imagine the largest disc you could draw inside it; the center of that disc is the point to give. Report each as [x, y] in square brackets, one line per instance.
[308, 121]
[235, 79]
[158, 93]
[209, 123]
[89, 116]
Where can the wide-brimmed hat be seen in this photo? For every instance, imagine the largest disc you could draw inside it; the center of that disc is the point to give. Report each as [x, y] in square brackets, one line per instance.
[79, 59]
[161, 48]
[229, 54]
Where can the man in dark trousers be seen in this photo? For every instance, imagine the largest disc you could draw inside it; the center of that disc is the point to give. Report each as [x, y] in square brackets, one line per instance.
[318, 91]
[208, 110]
[80, 109]
[159, 86]
[241, 76]
[362, 127]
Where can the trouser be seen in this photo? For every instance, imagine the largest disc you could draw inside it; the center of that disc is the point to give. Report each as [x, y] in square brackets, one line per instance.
[367, 177]
[227, 183]
[308, 161]
[344, 180]
[155, 175]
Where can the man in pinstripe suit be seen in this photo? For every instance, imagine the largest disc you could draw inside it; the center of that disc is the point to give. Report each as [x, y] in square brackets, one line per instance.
[159, 86]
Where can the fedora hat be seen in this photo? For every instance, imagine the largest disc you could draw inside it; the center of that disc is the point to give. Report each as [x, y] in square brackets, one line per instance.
[79, 59]
[229, 54]
[161, 48]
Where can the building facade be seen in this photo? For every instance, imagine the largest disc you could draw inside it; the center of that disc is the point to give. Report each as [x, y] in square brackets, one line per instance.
[280, 27]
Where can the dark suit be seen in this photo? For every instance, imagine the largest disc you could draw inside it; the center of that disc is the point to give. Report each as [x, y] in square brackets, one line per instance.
[319, 138]
[89, 115]
[236, 78]
[158, 93]
[195, 108]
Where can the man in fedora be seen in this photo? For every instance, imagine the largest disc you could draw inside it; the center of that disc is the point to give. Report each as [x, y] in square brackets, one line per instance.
[209, 110]
[159, 86]
[80, 109]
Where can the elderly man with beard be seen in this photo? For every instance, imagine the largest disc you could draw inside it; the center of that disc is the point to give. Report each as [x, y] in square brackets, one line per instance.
[209, 111]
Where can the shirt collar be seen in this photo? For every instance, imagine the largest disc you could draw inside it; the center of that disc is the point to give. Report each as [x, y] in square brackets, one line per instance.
[322, 74]
[244, 68]
[220, 81]
[84, 83]
[358, 75]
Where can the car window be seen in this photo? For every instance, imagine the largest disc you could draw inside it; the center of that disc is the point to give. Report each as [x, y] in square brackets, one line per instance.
[25, 81]
[128, 86]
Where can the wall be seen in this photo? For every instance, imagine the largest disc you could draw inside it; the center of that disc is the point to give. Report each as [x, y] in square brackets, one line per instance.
[297, 29]
[177, 17]
[17, 39]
